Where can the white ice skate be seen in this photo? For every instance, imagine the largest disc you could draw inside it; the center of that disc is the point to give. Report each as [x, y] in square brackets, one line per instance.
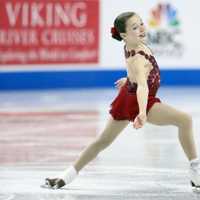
[195, 176]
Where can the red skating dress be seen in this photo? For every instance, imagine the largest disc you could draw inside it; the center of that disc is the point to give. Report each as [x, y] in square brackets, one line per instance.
[125, 105]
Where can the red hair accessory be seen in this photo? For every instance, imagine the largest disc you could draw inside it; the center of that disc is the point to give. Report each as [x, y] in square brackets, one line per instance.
[114, 31]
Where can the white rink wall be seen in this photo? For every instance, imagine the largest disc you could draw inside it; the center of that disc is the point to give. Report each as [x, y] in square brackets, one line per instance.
[187, 12]
[173, 35]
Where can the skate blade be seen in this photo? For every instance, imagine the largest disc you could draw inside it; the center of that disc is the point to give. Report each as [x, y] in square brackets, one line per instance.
[55, 187]
[195, 188]
[46, 185]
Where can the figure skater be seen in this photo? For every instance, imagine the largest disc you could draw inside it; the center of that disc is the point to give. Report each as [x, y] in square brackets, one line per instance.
[136, 103]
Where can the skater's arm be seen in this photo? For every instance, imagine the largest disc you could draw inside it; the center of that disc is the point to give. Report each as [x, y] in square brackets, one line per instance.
[139, 71]
[137, 67]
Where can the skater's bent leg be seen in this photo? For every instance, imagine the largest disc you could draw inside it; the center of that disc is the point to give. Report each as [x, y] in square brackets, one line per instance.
[111, 131]
[162, 114]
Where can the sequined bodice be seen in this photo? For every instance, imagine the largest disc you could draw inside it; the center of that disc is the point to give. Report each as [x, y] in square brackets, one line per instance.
[154, 75]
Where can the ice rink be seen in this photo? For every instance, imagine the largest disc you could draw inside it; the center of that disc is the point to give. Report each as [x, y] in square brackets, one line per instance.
[44, 132]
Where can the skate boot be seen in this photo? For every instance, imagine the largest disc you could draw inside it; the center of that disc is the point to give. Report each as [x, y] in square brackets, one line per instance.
[195, 175]
[54, 183]
[65, 178]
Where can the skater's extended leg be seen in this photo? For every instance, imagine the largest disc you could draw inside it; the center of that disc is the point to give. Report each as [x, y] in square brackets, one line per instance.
[162, 114]
[110, 132]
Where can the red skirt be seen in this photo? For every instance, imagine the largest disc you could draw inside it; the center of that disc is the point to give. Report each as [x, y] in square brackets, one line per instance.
[125, 105]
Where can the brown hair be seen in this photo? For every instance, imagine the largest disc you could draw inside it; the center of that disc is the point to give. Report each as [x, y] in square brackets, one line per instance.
[120, 24]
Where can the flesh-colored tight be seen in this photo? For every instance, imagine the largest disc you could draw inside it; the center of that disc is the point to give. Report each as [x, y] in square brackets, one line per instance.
[160, 114]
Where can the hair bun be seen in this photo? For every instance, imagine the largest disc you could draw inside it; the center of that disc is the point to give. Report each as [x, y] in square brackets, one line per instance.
[115, 34]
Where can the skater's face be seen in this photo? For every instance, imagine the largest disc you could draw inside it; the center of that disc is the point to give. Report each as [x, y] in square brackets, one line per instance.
[135, 31]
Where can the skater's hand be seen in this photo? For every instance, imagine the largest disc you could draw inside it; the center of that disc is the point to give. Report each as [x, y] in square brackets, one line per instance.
[139, 120]
[120, 83]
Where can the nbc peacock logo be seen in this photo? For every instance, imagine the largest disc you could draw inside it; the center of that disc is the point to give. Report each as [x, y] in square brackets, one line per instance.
[165, 35]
